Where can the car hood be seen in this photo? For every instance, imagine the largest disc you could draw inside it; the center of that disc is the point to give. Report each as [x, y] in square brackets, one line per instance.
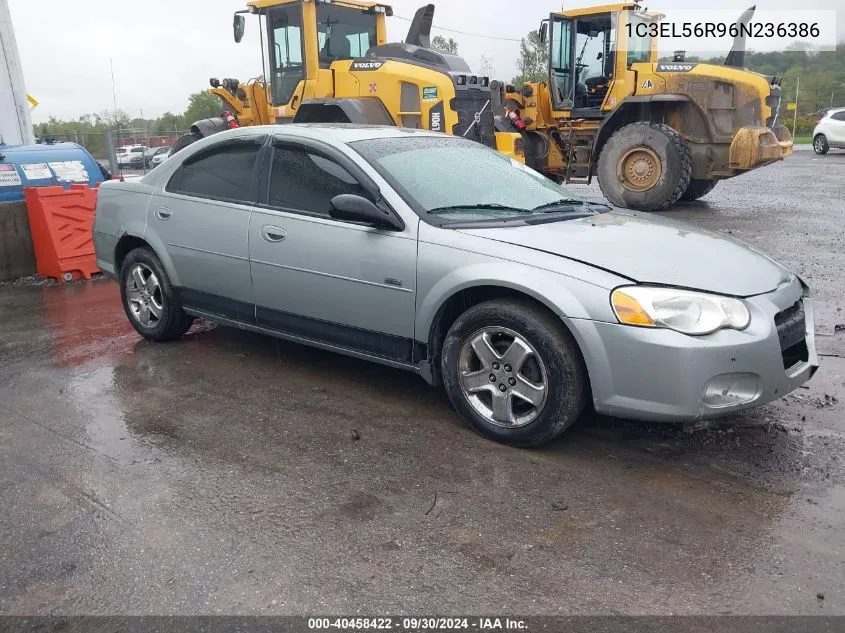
[651, 249]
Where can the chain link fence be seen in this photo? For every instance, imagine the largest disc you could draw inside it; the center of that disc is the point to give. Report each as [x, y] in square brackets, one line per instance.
[95, 142]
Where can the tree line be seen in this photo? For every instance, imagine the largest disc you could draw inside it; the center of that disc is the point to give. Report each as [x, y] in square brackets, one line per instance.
[89, 129]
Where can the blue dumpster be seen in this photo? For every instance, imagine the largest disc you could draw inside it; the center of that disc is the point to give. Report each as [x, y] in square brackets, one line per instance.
[45, 166]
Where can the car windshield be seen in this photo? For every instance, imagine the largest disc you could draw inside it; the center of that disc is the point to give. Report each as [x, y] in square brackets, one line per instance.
[453, 179]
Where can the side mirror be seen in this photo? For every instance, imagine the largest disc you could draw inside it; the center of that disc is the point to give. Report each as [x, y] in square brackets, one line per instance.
[352, 208]
[544, 31]
[238, 26]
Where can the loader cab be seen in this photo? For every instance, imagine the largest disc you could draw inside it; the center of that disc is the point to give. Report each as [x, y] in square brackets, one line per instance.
[587, 73]
[305, 38]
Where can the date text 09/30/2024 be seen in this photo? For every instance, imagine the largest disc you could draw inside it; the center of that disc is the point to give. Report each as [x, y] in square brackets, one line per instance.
[416, 624]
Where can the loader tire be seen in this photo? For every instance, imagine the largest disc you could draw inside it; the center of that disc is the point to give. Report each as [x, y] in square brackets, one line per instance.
[183, 141]
[644, 166]
[698, 189]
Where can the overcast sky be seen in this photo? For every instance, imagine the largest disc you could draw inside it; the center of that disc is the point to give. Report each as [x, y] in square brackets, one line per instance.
[164, 50]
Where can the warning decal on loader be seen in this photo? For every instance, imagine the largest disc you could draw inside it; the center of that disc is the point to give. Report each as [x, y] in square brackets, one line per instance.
[9, 176]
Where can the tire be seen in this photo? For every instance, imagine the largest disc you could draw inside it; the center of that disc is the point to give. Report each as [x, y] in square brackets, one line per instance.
[698, 189]
[641, 146]
[170, 322]
[820, 145]
[553, 360]
[183, 141]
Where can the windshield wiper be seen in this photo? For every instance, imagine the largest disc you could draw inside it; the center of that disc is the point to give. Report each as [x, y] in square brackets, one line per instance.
[563, 202]
[469, 207]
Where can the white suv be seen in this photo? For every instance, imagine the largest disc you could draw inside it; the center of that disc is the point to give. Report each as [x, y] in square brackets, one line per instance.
[830, 131]
[133, 156]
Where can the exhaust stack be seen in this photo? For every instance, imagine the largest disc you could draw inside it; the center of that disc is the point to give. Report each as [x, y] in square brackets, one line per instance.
[736, 57]
[419, 34]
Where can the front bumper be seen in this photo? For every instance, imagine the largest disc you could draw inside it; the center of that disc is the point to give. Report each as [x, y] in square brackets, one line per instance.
[758, 146]
[663, 375]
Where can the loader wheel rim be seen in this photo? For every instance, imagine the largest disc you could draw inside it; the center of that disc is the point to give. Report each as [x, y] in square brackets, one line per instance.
[640, 168]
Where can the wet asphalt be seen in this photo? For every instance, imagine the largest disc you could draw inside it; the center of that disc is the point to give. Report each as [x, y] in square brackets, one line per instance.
[233, 473]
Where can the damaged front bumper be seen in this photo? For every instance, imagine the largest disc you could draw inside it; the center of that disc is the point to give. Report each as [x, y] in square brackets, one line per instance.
[663, 375]
[758, 146]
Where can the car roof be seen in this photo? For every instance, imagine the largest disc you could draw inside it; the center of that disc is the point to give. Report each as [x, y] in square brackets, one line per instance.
[332, 133]
[342, 132]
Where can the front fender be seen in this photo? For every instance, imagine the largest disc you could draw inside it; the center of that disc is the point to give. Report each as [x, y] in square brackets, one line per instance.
[567, 297]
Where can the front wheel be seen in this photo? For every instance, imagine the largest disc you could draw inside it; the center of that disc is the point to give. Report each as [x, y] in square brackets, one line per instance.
[148, 298]
[513, 372]
[644, 166]
[820, 145]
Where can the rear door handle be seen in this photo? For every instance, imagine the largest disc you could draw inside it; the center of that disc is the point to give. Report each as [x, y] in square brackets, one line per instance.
[163, 213]
[273, 233]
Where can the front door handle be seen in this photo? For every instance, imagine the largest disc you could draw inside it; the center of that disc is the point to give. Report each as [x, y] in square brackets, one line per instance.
[163, 213]
[273, 234]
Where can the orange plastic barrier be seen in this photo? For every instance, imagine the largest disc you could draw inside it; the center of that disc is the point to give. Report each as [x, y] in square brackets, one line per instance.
[60, 221]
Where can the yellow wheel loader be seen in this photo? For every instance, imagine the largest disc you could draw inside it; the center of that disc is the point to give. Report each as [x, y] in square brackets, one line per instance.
[652, 131]
[329, 61]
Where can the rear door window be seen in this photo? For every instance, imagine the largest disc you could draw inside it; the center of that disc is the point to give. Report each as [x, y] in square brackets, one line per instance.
[223, 172]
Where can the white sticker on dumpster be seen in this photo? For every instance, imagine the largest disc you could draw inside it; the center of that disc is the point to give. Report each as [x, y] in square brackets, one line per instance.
[70, 171]
[36, 171]
[9, 176]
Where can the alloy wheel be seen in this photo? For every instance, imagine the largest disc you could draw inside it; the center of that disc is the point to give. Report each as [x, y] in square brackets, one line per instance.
[144, 295]
[503, 377]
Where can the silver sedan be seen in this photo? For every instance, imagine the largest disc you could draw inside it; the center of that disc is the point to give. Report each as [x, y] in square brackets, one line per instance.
[440, 256]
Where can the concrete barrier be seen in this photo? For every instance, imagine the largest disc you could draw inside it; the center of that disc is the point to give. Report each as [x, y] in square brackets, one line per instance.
[17, 258]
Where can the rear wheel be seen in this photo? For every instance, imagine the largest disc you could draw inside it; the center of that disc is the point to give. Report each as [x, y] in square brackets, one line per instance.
[644, 166]
[183, 141]
[698, 189]
[820, 145]
[513, 372]
[148, 298]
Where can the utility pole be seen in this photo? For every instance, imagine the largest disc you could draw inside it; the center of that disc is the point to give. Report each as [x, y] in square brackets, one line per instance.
[15, 120]
[795, 112]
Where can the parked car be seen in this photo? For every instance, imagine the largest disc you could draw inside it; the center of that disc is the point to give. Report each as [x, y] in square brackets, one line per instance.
[133, 156]
[438, 255]
[830, 131]
[159, 155]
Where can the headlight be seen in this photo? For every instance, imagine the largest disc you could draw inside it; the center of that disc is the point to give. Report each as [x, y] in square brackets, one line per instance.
[682, 310]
